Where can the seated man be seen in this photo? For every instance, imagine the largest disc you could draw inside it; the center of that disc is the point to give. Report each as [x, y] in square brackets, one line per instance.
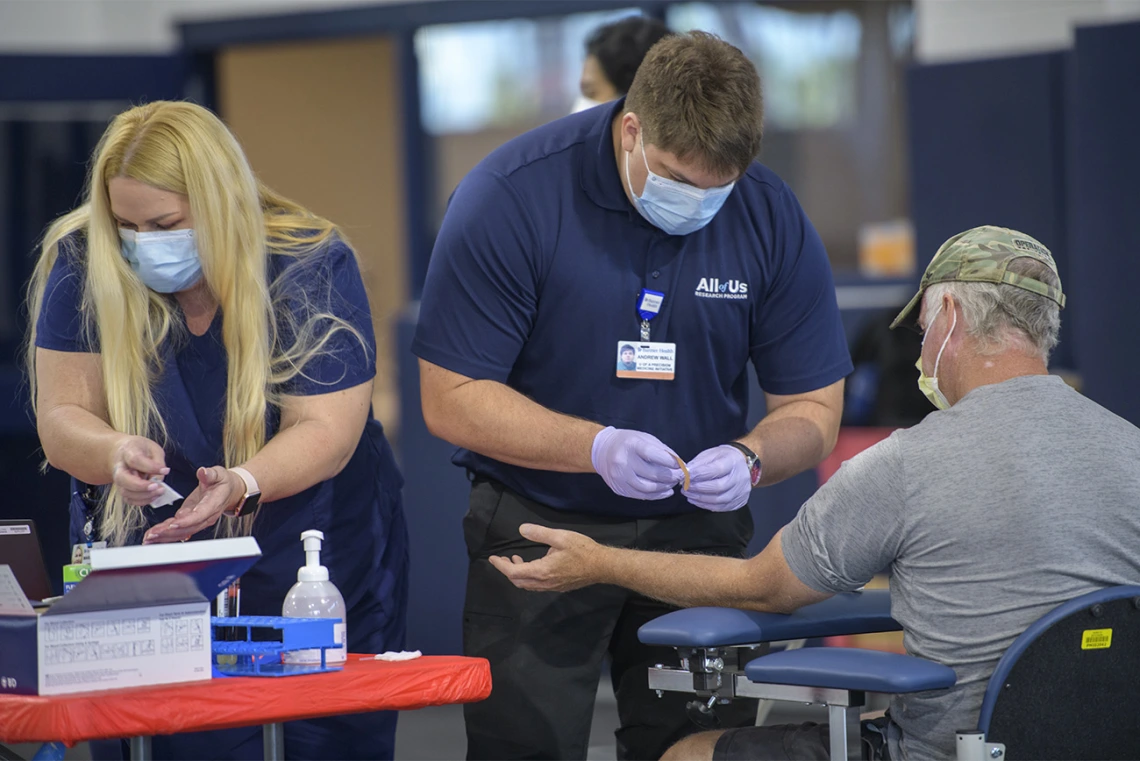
[1018, 495]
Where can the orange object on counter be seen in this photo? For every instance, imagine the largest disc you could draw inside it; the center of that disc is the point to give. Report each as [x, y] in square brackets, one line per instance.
[363, 685]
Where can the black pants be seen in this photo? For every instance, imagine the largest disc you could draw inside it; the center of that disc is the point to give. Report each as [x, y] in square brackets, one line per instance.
[798, 742]
[546, 648]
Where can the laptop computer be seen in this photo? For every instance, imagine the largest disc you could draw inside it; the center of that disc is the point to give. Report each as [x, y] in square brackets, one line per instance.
[20, 548]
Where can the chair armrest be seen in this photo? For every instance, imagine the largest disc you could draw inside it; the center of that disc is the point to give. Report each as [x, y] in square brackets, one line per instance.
[854, 613]
[849, 668]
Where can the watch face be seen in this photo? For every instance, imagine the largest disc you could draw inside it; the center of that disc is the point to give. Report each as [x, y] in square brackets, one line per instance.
[247, 505]
[251, 503]
[754, 472]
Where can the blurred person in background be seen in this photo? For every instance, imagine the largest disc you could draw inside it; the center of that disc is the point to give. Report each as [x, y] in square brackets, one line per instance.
[189, 325]
[613, 53]
[646, 222]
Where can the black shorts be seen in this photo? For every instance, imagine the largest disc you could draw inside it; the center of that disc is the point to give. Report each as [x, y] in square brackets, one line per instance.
[796, 742]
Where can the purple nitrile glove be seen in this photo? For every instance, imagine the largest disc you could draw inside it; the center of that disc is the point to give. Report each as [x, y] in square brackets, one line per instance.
[635, 464]
[719, 480]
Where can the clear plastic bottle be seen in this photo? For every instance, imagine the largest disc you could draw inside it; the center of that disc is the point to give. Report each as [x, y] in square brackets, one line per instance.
[314, 596]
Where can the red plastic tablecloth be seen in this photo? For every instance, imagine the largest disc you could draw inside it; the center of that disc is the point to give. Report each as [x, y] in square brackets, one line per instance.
[363, 685]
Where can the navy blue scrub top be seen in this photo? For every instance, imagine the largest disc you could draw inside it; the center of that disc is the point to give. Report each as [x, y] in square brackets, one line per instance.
[534, 279]
[358, 510]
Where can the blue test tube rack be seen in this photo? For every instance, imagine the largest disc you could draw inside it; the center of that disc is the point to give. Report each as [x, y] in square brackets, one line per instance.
[253, 645]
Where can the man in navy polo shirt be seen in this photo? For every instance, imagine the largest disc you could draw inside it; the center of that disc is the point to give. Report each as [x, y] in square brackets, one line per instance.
[645, 222]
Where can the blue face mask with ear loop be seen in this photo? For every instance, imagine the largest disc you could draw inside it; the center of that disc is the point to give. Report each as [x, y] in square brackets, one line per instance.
[674, 207]
[166, 261]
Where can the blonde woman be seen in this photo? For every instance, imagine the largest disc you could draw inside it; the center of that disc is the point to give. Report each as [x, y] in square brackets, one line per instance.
[192, 327]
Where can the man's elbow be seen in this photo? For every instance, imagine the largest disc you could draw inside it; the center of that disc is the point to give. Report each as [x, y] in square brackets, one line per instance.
[770, 605]
[439, 423]
[785, 606]
[832, 419]
[830, 439]
[438, 402]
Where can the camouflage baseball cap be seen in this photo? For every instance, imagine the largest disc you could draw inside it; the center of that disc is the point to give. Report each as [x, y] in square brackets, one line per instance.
[982, 255]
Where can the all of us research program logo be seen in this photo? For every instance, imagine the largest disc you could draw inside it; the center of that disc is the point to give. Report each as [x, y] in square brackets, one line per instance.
[715, 288]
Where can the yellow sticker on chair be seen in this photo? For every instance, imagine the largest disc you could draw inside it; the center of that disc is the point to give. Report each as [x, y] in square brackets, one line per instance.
[1096, 639]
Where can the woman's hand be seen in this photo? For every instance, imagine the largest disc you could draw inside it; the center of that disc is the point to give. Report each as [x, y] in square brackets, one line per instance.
[218, 490]
[134, 462]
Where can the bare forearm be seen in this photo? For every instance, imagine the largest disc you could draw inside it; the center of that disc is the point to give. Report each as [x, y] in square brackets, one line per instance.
[683, 580]
[762, 583]
[298, 457]
[78, 442]
[496, 421]
[793, 438]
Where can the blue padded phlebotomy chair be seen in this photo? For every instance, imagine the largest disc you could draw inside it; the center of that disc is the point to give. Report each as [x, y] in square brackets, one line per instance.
[1067, 688]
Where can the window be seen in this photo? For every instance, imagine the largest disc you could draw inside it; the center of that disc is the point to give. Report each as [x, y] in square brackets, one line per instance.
[477, 75]
[900, 25]
[492, 74]
[808, 61]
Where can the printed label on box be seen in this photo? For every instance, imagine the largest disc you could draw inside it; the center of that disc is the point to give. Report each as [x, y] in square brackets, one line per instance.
[124, 648]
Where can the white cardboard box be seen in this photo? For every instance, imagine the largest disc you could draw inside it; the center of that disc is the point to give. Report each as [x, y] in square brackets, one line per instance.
[141, 617]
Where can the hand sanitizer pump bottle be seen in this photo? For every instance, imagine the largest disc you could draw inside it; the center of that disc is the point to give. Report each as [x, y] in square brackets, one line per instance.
[314, 596]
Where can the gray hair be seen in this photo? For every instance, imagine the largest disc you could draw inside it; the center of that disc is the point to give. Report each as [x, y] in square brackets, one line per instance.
[1002, 317]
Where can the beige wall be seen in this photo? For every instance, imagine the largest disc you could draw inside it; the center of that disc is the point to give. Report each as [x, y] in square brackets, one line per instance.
[129, 26]
[320, 123]
[457, 154]
[963, 30]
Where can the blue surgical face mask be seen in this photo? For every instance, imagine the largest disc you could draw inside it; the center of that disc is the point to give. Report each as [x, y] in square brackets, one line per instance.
[672, 206]
[166, 261]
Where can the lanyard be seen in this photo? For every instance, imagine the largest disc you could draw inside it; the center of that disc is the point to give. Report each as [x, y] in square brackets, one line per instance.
[89, 498]
[648, 306]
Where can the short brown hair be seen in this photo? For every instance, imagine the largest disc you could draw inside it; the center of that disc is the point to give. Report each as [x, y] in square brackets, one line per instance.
[698, 97]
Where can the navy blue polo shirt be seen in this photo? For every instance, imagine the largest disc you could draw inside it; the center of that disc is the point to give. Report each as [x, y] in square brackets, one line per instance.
[534, 281]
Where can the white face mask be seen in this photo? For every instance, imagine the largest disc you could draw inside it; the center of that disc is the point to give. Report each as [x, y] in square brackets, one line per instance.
[929, 384]
[581, 103]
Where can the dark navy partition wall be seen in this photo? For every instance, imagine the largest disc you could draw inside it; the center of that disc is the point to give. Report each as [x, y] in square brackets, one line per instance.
[52, 111]
[435, 501]
[1104, 214]
[55, 109]
[987, 146]
[65, 78]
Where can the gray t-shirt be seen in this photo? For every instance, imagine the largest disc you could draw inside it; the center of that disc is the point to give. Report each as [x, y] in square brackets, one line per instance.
[1023, 495]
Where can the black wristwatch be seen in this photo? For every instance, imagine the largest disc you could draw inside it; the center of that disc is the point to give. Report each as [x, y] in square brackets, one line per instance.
[752, 460]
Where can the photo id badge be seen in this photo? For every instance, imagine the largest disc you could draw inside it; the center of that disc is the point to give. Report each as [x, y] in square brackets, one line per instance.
[645, 360]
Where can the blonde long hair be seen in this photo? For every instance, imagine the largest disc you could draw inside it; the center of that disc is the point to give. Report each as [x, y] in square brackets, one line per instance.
[184, 148]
